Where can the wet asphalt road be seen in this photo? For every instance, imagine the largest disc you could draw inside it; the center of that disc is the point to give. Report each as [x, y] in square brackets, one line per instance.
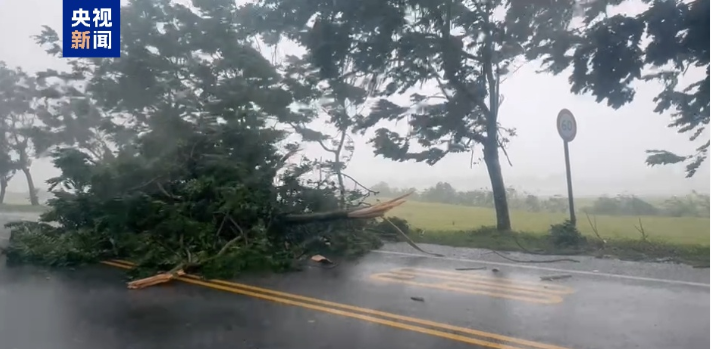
[388, 299]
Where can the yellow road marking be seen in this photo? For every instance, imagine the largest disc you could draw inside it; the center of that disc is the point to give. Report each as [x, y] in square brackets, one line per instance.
[358, 313]
[526, 291]
[535, 285]
[544, 299]
[491, 283]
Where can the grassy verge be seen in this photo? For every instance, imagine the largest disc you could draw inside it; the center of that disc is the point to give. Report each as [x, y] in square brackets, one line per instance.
[626, 249]
[682, 239]
[439, 218]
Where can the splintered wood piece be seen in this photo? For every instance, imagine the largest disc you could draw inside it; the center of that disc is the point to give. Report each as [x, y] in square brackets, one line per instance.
[378, 210]
[154, 280]
[321, 259]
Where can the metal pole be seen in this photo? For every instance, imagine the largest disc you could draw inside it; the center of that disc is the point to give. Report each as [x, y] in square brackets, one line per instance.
[570, 183]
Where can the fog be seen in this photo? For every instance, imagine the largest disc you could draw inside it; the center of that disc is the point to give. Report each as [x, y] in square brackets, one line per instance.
[607, 156]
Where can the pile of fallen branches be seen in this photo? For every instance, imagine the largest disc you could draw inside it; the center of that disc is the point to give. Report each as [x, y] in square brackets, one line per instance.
[221, 201]
[374, 211]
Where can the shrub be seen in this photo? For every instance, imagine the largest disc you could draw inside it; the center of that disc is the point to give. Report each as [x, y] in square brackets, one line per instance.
[566, 235]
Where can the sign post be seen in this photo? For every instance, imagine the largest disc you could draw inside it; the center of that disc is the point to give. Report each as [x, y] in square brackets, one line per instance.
[567, 129]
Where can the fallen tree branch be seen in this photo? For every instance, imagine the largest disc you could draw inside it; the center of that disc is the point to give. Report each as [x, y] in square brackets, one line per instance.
[641, 231]
[375, 211]
[556, 277]
[370, 191]
[409, 241]
[535, 261]
[593, 226]
[518, 243]
[157, 279]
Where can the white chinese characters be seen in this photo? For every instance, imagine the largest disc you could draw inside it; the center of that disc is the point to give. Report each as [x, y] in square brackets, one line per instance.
[102, 39]
[80, 16]
[102, 17]
[85, 37]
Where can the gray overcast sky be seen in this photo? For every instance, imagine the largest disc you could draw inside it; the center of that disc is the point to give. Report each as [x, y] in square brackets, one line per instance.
[607, 155]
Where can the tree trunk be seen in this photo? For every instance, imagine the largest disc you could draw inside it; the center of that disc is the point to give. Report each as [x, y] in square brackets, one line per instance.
[498, 189]
[339, 173]
[3, 189]
[377, 210]
[34, 201]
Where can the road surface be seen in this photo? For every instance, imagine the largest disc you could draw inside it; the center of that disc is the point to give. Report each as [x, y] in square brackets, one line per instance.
[390, 298]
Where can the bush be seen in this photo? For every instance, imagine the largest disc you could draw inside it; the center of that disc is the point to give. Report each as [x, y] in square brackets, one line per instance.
[566, 235]
[39, 243]
[623, 205]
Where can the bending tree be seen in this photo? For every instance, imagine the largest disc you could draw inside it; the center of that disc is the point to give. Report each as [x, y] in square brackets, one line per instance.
[202, 180]
[464, 48]
[666, 42]
[8, 166]
[19, 100]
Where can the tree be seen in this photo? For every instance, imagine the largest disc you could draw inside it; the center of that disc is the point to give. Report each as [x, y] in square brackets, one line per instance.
[609, 53]
[40, 112]
[19, 99]
[692, 205]
[460, 46]
[8, 166]
[69, 114]
[629, 205]
[382, 188]
[48, 110]
[340, 102]
[199, 178]
[532, 203]
[442, 192]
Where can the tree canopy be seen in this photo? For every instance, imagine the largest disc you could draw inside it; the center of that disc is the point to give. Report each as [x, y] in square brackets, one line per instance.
[668, 42]
[175, 155]
[465, 48]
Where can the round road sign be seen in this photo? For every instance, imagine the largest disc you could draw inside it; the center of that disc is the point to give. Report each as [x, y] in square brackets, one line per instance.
[567, 127]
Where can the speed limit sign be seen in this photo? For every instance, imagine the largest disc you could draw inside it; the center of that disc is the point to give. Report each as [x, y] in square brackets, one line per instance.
[567, 127]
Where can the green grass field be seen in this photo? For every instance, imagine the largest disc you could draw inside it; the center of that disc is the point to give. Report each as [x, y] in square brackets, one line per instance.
[434, 217]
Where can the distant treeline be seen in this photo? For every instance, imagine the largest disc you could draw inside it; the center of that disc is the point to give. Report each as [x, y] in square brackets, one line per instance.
[691, 205]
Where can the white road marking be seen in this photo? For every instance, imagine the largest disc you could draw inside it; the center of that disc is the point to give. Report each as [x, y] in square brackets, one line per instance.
[522, 266]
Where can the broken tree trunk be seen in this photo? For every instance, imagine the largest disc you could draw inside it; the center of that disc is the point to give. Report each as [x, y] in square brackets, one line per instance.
[377, 210]
[156, 279]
